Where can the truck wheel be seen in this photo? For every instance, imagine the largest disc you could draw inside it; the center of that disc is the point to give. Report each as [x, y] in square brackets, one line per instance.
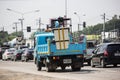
[39, 66]
[35, 61]
[50, 68]
[63, 67]
[115, 65]
[102, 63]
[75, 68]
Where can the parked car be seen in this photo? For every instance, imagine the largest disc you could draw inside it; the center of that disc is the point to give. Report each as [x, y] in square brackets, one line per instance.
[2, 50]
[27, 55]
[90, 47]
[7, 54]
[105, 54]
[17, 55]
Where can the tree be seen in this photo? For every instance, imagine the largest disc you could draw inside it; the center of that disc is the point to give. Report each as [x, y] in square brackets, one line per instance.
[97, 29]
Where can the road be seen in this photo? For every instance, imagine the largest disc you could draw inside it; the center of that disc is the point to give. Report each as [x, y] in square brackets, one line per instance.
[86, 73]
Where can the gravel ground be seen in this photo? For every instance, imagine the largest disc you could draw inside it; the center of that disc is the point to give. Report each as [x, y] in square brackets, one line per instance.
[10, 75]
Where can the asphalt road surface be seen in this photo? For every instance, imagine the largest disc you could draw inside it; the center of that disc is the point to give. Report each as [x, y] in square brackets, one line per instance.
[86, 73]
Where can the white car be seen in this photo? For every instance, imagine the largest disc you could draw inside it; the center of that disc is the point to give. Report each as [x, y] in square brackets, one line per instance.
[7, 54]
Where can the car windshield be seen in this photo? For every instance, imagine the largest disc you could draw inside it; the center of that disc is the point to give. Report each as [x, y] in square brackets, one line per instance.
[30, 51]
[9, 50]
[113, 47]
[18, 51]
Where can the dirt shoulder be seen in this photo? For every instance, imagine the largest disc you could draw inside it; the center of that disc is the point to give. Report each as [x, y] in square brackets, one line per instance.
[10, 75]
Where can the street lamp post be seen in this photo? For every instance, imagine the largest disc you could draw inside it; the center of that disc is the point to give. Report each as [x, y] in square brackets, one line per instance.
[16, 27]
[66, 8]
[79, 20]
[22, 14]
[78, 24]
[21, 20]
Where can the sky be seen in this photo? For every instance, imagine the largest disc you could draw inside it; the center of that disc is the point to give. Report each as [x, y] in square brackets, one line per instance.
[90, 11]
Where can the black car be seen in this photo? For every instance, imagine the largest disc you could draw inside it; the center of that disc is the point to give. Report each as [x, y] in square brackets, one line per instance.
[105, 54]
[27, 55]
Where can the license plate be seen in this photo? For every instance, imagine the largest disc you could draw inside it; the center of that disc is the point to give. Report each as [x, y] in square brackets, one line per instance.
[117, 54]
[65, 61]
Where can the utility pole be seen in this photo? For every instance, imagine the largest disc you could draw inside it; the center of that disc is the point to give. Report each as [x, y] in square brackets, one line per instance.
[103, 27]
[22, 17]
[16, 28]
[66, 8]
[39, 23]
[3, 28]
[21, 20]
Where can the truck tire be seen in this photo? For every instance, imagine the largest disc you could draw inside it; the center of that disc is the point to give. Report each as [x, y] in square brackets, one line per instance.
[75, 68]
[35, 61]
[50, 68]
[63, 67]
[39, 67]
[115, 65]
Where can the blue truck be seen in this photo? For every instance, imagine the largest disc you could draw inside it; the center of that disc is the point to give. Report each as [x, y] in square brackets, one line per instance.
[55, 47]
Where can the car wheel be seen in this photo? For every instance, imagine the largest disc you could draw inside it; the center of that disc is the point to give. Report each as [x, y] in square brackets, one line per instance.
[102, 63]
[15, 59]
[63, 67]
[11, 59]
[22, 60]
[26, 60]
[89, 63]
[115, 65]
[92, 64]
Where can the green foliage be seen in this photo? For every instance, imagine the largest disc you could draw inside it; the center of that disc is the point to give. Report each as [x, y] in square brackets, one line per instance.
[3, 37]
[32, 35]
[97, 29]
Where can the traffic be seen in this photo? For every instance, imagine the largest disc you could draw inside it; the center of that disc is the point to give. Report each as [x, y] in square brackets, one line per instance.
[56, 47]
